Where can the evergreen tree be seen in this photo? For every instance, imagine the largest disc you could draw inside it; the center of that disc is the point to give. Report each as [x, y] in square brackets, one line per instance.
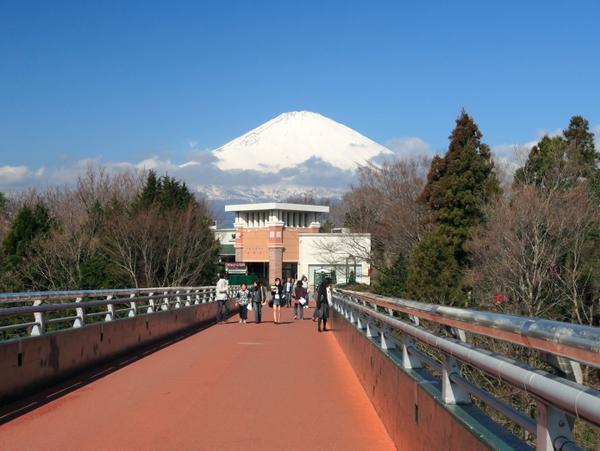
[27, 225]
[458, 187]
[545, 163]
[433, 272]
[560, 161]
[392, 281]
[460, 184]
[581, 150]
[149, 193]
[165, 193]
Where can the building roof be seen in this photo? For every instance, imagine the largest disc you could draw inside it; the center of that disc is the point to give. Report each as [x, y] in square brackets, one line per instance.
[278, 206]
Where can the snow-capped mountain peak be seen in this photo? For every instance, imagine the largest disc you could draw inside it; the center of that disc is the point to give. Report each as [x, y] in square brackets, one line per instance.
[296, 137]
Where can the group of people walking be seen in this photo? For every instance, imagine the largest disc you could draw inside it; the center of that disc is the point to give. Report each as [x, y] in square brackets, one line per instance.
[280, 295]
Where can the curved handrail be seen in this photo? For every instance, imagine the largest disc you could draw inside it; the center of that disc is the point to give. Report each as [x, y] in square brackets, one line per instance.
[573, 341]
[46, 295]
[39, 305]
[578, 400]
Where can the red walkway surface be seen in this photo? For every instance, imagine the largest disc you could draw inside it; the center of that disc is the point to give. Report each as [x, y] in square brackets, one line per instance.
[229, 387]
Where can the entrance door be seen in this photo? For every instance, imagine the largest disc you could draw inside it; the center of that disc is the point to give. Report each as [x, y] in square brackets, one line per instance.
[289, 269]
[259, 271]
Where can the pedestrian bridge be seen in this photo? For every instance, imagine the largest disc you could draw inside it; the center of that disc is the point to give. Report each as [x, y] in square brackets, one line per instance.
[149, 369]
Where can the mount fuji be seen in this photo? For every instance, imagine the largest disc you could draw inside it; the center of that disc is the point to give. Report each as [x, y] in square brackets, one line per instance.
[294, 138]
[292, 155]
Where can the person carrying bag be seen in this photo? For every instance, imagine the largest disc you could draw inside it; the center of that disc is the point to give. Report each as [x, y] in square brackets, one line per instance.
[299, 300]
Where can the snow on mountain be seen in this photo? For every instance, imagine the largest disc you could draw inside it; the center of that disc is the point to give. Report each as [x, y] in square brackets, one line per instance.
[277, 192]
[294, 138]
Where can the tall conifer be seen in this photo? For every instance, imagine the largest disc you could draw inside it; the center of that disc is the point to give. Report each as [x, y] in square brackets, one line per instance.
[459, 185]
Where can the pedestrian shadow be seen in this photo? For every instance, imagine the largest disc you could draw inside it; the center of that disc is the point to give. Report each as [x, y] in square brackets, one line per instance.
[12, 409]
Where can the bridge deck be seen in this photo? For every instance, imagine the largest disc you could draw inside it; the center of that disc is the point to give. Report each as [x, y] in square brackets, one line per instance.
[228, 387]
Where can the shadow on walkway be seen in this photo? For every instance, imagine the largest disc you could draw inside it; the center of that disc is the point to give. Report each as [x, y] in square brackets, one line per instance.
[14, 408]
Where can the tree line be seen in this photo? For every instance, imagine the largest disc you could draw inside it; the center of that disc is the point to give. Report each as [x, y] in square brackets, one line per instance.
[107, 231]
[457, 230]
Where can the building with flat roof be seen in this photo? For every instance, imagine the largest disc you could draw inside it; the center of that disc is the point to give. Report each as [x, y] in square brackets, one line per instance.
[266, 235]
[284, 240]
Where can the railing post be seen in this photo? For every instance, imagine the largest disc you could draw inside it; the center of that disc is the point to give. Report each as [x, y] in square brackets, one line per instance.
[371, 331]
[360, 322]
[197, 297]
[177, 300]
[552, 426]
[151, 303]
[414, 319]
[352, 316]
[387, 342]
[349, 313]
[165, 303]
[40, 319]
[188, 298]
[132, 307]
[451, 392]
[410, 360]
[80, 320]
[459, 334]
[110, 310]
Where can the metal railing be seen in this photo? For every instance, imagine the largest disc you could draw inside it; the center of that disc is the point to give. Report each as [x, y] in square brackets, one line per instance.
[35, 313]
[558, 400]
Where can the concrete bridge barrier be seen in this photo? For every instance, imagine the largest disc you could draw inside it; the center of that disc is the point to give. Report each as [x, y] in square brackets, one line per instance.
[41, 357]
[409, 401]
[414, 375]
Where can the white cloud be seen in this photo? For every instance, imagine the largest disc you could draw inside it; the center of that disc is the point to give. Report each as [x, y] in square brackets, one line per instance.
[13, 174]
[512, 156]
[314, 175]
[410, 146]
[541, 133]
[199, 170]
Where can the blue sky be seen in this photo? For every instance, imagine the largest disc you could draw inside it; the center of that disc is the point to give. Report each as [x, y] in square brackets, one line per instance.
[125, 81]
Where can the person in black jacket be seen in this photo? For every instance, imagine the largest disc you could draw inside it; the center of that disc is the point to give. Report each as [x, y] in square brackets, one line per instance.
[258, 300]
[299, 297]
[277, 299]
[323, 304]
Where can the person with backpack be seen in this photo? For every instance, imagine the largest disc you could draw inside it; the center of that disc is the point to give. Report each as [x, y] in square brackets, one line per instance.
[222, 298]
[277, 298]
[299, 298]
[323, 304]
[243, 299]
[258, 300]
